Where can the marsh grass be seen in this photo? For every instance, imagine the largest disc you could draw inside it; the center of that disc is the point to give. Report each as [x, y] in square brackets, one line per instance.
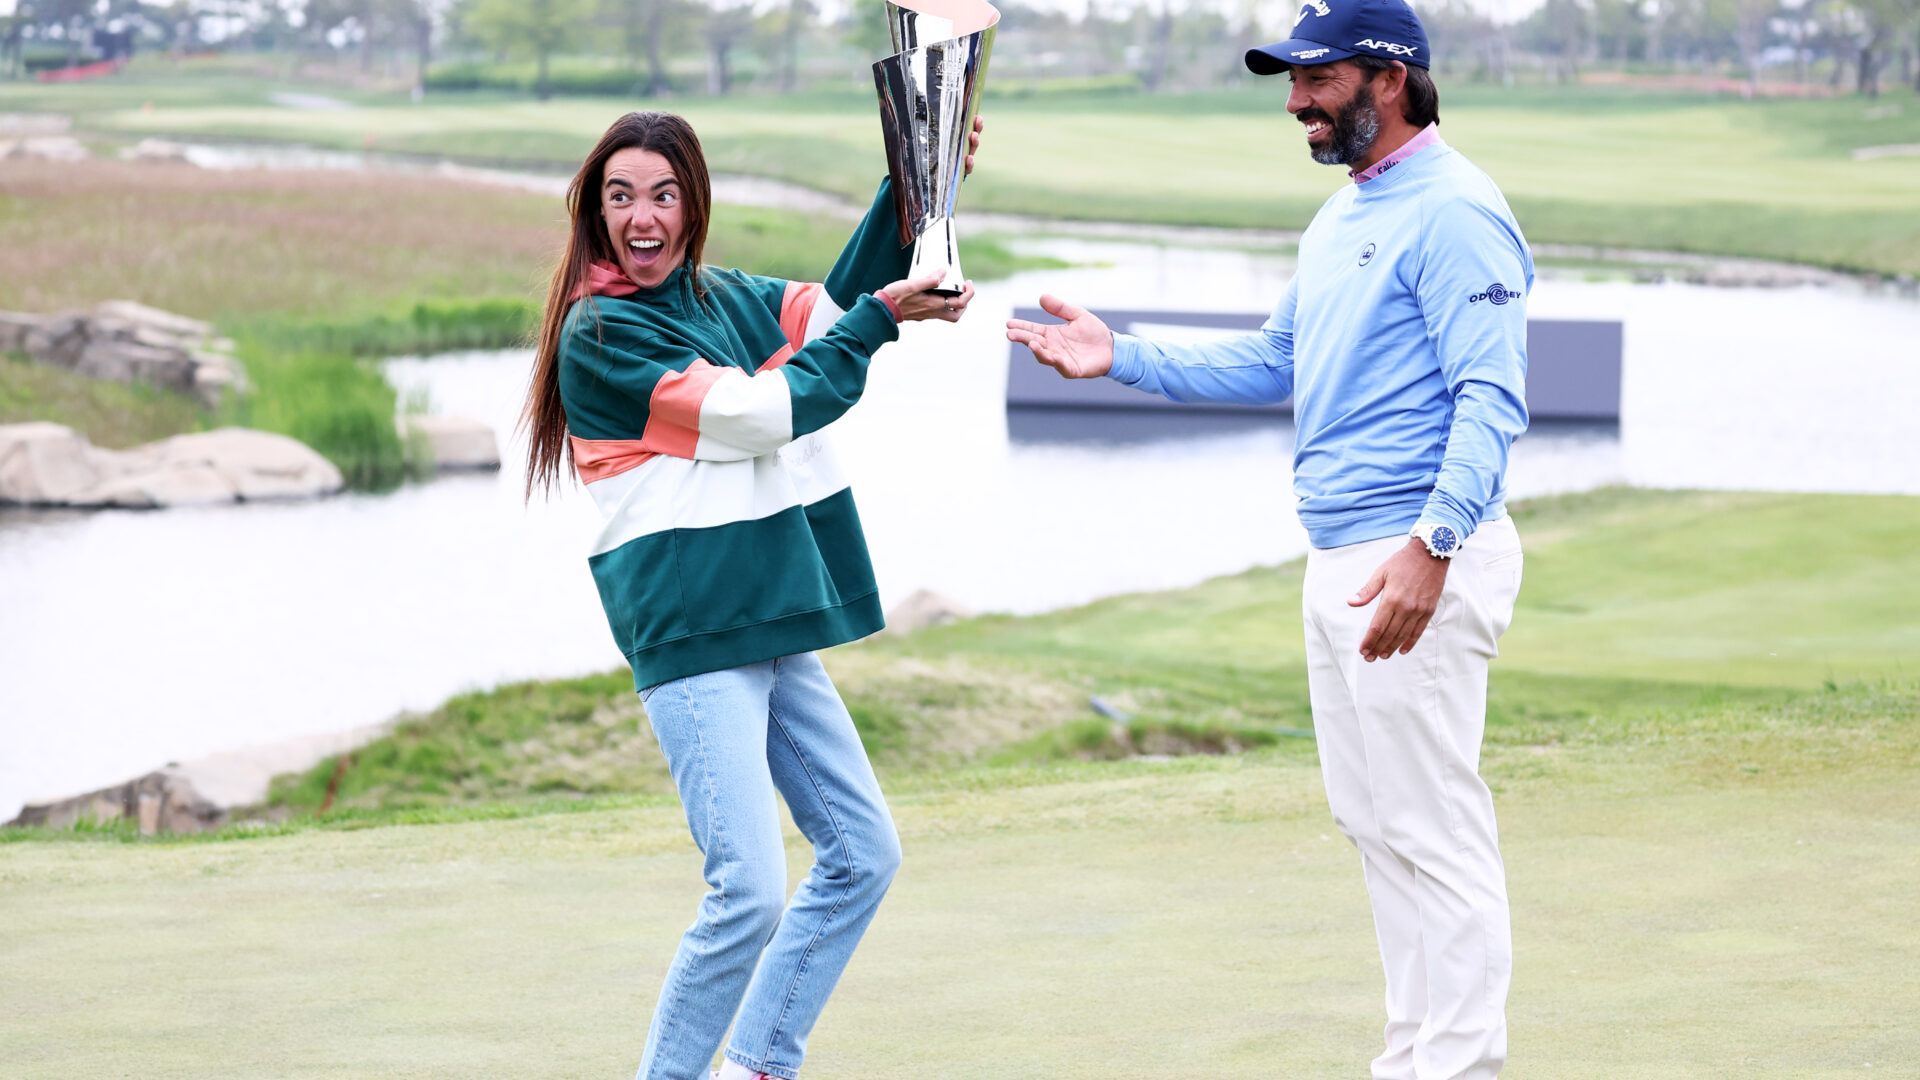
[342, 406]
[238, 245]
[424, 327]
[317, 380]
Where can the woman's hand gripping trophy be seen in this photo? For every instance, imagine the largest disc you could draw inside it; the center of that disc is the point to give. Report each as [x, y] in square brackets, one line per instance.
[911, 296]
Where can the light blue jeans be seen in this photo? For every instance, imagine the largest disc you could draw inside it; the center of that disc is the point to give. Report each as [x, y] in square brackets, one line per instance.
[732, 738]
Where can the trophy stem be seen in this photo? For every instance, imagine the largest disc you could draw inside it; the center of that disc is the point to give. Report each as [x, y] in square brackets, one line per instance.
[937, 247]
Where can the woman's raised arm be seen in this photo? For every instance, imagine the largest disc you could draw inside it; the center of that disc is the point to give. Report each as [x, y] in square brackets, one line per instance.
[874, 256]
[689, 407]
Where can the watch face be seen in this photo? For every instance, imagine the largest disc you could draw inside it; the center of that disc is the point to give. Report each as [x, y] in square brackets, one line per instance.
[1443, 539]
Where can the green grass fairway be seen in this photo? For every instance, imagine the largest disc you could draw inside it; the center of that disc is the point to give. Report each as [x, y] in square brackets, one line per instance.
[1609, 166]
[1703, 738]
[1111, 922]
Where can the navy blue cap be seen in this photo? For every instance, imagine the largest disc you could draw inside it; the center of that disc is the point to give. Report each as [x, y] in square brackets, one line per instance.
[1329, 30]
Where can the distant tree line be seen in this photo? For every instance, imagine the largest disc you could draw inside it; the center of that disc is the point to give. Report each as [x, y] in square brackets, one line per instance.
[650, 47]
[1864, 41]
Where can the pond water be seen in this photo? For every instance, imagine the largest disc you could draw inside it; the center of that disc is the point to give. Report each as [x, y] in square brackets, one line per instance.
[131, 639]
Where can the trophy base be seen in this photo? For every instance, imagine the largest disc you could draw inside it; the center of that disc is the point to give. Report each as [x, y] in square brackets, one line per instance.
[936, 249]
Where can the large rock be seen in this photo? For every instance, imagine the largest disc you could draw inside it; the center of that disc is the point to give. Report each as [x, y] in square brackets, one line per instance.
[56, 340]
[14, 328]
[131, 313]
[257, 464]
[215, 375]
[134, 362]
[456, 442]
[122, 341]
[49, 465]
[162, 801]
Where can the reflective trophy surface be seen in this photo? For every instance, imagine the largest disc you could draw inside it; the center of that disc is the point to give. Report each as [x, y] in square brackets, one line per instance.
[929, 92]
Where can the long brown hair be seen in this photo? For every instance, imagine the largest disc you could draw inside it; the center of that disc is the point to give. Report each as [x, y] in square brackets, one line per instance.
[670, 136]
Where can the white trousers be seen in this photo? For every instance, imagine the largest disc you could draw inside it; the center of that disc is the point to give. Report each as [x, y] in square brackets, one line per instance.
[1399, 746]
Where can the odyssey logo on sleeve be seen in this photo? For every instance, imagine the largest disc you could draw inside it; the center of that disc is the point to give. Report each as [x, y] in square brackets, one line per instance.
[1389, 46]
[1496, 294]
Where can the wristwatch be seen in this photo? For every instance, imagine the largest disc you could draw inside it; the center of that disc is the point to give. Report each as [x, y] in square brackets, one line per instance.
[1441, 541]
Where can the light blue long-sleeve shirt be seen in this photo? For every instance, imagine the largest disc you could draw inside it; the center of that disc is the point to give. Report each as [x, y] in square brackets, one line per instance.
[1402, 339]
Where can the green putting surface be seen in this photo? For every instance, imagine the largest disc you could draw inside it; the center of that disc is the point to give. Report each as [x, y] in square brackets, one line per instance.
[1194, 919]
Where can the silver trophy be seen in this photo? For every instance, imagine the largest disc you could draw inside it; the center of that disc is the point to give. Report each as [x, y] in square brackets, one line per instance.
[929, 91]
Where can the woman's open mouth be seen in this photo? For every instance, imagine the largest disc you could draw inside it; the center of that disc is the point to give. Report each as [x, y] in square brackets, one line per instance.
[643, 252]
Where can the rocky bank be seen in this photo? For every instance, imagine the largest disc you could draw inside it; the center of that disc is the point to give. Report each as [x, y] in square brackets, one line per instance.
[44, 464]
[125, 342]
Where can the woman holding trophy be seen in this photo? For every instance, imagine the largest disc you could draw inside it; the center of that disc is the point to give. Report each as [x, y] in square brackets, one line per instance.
[689, 401]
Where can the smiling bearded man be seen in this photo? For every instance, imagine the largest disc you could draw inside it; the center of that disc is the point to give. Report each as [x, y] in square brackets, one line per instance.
[1402, 341]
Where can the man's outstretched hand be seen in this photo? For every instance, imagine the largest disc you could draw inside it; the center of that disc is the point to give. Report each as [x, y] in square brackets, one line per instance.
[1080, 348]
[1409, 586]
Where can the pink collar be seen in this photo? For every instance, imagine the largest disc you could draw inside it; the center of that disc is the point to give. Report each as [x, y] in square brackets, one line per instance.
[1429, 136]
[605, 279]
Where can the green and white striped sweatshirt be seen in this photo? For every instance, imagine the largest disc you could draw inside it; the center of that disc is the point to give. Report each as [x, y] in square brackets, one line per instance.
[730, 533]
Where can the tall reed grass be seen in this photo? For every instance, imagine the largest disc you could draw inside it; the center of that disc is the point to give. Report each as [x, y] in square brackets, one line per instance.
[316, 379]
[428, 326]
[341, 406]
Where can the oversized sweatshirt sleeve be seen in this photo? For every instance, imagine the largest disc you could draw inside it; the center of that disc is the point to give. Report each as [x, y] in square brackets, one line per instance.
[1255, 369]
[874, 256]
[1475, 273]
[717, 412]
[872, 260]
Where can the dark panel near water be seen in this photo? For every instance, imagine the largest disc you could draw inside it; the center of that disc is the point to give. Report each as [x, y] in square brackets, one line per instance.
[1573, 369]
